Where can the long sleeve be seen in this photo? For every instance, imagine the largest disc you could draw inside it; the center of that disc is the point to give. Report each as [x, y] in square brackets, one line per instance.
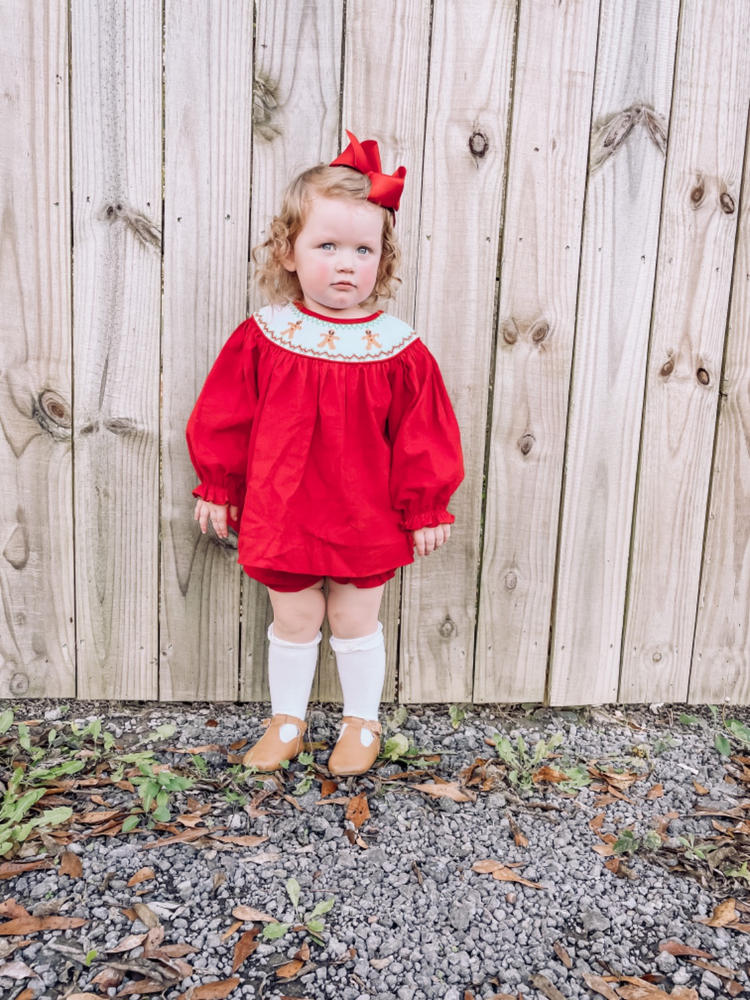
[218, 430]
[426, 461]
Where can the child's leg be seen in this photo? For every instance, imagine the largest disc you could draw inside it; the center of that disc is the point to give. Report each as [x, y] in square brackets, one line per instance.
[294, 636]
[357, 640]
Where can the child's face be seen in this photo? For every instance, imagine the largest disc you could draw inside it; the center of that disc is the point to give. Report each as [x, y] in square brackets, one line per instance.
[336, 255]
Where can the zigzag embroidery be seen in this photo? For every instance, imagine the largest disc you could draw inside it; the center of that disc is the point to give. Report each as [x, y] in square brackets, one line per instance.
[299, 333]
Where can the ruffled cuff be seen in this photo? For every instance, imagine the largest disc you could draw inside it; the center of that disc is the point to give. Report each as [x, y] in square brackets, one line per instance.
[426, 519]
[230, 493]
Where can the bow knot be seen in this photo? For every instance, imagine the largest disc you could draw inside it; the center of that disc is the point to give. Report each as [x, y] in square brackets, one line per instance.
[364, 156]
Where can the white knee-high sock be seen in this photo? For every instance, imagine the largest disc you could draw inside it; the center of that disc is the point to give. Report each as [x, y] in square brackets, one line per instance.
[291, 669]
[361, 668]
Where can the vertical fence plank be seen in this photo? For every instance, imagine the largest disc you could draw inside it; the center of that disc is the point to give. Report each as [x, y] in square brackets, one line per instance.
[467, 120]
[623, 202]
[704, 164]
[37, 655]
[116, 155]
[385, 80]
[296, 110]
[208, 79]
[722, 637]
[538, 273]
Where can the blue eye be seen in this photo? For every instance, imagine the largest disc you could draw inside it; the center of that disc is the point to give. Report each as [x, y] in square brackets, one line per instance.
[366, 249]
[326, 246]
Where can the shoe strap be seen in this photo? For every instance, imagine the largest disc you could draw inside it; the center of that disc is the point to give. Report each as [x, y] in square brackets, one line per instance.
[281, 720]
[372, 724]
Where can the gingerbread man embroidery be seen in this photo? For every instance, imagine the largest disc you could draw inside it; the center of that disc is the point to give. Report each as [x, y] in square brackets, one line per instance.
[291, 330]
[328, 339]
[371, 340]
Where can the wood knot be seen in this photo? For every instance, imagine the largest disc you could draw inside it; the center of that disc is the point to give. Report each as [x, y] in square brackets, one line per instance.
[656, 657]
[667, 368]
[53, 414]
[478, 144]
[510, 332]
[144, 230]
[540, 332]
[511, 580]
[447, 627]
[19, 684]
[727, 202]
[698, 192]
[265, 103]
[526, 442]
[703, 376]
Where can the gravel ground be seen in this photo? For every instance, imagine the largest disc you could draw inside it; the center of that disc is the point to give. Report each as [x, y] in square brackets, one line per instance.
[410, 918]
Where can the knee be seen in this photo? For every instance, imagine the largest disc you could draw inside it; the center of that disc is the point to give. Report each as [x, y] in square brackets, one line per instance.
[298, 618]
[348, 623]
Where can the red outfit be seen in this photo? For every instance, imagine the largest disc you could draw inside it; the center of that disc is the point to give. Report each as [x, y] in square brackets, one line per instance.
[335, 438]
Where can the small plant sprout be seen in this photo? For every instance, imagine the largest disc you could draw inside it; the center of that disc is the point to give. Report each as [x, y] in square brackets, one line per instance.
[313, 923]
[398, 749]
[520, 760]
[305, 782]
[457, 715]
[626, 843]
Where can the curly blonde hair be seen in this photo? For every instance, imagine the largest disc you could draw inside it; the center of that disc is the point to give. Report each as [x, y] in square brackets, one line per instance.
[277, 284]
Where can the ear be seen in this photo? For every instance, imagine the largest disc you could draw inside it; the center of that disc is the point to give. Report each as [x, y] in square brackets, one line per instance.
[288, 262]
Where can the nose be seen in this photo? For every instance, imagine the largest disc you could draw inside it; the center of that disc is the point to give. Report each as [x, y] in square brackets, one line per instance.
[345, 261]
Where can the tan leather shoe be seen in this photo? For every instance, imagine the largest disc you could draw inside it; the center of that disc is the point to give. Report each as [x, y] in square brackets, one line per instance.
[349, 756]
[270, 750]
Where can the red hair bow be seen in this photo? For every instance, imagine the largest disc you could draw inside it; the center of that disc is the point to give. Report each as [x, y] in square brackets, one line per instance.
[364, 156]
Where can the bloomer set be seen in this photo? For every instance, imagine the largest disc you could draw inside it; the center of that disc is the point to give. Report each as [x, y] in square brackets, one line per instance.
[335, 438]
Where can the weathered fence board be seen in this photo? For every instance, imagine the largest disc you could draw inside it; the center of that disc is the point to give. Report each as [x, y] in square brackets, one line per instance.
[37, 645]
[116, 56]
[465, 152]
[632, 97]
[296, 115]
[389, 106]
[722, 637]
[208, 88]
[576, 241]
[538, 274]
[694, 268]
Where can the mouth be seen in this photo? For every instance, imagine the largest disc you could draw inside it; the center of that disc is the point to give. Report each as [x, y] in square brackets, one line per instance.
[343, 284]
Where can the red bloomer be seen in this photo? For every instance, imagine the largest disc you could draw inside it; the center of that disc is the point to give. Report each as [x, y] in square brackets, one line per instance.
[293, 582]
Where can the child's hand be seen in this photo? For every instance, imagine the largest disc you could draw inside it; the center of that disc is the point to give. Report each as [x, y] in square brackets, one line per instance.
[428, 539]
[216, 513]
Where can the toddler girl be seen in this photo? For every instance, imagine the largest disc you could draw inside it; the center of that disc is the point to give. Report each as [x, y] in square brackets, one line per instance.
[325, 435]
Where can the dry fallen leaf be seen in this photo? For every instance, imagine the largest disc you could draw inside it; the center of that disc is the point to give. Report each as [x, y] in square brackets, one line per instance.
[244, 947]
[146, 915]
[211, 991]
[723, 914]
[17, 970]
[247, 840]
[127, 944]
[289, 969]
[599, 985]
[232, 929]
[563, 955]
[700, 789]
[71, 865]
[10, 869]
[547, 773]
[519, 837]
[655, 791]
[30, 925]
[142, 875]
[503, 873]
[358, 811]
[448, 789]
[678, 948]
[10, 908]
[248, 913]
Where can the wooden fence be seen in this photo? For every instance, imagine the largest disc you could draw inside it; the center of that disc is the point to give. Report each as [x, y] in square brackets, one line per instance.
[576, 238]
